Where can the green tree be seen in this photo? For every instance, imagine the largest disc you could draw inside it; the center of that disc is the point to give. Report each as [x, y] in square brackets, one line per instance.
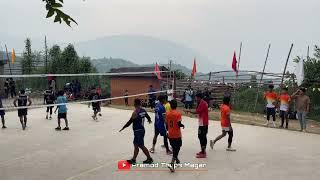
[27, 62]
[53, 7]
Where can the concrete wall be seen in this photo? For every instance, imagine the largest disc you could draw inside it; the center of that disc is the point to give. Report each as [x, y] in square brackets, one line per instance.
[134, 85]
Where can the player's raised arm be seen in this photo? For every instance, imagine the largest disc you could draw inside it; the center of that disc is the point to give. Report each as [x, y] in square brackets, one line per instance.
[133, 117]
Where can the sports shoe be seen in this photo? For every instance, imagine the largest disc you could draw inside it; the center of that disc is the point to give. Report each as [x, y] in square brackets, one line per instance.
[66, 128]
[171, 167]
[131, 161]
[230, 149]
[151, 150]
[202, 155]
[46, 116]
[148, 161]
[100, 114]
[50, 117]
[177, 161]
[58, 128]
[199, 153]
[3, 127]
[211, 144]
[274, 124]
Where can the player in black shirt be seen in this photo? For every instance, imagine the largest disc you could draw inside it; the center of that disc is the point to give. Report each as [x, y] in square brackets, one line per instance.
[2, 113]
[48, 99]
[137, 120]
[23, 101]
[95, 104]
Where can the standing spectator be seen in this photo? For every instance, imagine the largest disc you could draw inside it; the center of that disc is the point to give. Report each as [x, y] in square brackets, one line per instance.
[271, 98]
[78, 88]
[2, 113]
[207, 95]
[284, 106]
[302, 107]
[152, 97]
[6, 87]
[188, 98]
[126, 100]
[12, 85]
[170, 93]
[53, 85]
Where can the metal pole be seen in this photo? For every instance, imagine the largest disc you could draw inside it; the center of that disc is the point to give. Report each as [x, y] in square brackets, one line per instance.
[285, 67]
[264, 67]
[8, 59]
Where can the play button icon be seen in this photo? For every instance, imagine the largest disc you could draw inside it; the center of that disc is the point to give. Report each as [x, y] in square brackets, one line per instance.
[123, 165]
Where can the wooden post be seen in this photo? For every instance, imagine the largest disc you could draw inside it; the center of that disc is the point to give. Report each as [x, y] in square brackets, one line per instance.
[261, 78]
[285, 67]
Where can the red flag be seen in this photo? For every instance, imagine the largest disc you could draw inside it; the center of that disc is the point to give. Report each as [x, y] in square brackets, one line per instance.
[157, 71]
[234, 62]
[194, 68]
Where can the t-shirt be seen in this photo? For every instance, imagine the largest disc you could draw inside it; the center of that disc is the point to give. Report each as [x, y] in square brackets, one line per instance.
[284, 102]
[225, 116]
[170, 94]
[62, 108]
[138, 123]
[188, 95]
[271, 98]
[160, 112]
[203, 114]
[167, 106]
[172, 119]
[302, 103]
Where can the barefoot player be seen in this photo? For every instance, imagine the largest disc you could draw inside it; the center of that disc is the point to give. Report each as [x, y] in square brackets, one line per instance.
[137, 120]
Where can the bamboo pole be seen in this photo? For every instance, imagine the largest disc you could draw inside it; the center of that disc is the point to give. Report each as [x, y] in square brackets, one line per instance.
[285, 67]
[261, 78]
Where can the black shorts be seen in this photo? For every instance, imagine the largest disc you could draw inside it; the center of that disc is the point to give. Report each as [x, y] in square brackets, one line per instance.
[139, 137]
[2, 112]
[175, 142]
[22, 112]
[283, 114]
[62, 115]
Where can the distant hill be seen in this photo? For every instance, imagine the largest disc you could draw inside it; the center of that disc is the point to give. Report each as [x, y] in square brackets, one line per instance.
[105, 64]
[145, 50]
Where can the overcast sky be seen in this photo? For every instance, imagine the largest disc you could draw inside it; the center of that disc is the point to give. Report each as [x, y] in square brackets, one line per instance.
[214, 28]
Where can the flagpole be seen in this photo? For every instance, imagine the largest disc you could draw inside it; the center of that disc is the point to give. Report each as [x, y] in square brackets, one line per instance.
[264, 67]
[8, 59]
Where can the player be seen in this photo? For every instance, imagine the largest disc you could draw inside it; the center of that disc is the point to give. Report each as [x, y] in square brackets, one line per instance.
[137, 120]
[271, 98]
[62, 110]
[203, 116]
[95, 105]
[2, 113]
[173, 121]
[167, 104]
[284, 107]
[159, 125]
[23, 101]
[225, 124]
[49, 99]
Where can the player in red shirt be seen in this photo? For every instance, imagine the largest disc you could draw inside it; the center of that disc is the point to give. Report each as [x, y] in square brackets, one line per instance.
[173, 121]
[203, 116]
[225, 124]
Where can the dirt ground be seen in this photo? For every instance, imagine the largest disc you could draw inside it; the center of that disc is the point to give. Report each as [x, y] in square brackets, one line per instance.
[92, 149]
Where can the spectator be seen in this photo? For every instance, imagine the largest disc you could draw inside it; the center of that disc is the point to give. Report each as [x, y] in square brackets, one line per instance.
[126, 100]
[12, 86]
[170, 93]
[6, 87]
[207, 95]
[152, 97]
[188, 97]
[302, 107]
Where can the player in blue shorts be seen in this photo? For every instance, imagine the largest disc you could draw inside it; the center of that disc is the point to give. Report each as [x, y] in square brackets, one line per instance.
[159, 124]
[137, 120]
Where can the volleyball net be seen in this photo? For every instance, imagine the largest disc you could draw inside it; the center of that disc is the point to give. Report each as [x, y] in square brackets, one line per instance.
[119, 88]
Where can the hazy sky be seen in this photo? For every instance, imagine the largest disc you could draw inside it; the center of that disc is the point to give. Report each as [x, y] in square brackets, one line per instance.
[214, 28]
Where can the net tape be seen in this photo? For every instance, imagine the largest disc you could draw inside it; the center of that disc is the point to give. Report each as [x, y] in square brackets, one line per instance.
[82, 102]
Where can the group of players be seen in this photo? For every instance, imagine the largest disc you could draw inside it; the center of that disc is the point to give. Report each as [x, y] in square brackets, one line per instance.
[22, 101]
[168, 124]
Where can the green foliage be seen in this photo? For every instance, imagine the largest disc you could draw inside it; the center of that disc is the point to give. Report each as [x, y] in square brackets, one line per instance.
[245, 99]
[53, 8]
[179, 74]
[28, 58]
